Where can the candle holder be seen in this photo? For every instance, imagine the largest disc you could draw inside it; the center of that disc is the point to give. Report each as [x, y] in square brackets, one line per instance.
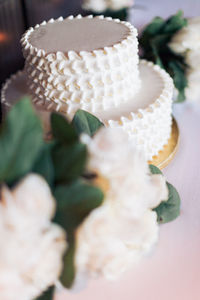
[11, 29]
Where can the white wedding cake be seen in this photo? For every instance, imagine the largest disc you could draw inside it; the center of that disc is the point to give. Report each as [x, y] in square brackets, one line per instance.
[88, 63]
[92, 63]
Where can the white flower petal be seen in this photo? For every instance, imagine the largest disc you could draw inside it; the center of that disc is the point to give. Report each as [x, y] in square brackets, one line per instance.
[31, 247]
[117, 234]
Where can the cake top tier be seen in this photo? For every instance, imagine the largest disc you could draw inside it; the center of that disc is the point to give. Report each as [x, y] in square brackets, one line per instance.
[78, 34]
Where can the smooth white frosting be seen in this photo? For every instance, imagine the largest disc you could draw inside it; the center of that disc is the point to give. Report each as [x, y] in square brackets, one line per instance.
[78, 34]
[92, 80]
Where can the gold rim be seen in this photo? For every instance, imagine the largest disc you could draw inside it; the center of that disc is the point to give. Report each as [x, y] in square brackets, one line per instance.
[167, 154]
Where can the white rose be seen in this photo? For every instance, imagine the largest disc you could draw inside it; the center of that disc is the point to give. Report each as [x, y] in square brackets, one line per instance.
[31, 246]
[119, 4]
[124, 228]
[192, 59]
[188, 38]
[193, 89]
[115, 158]
[102, 5]
[108, 244]
[95, 5]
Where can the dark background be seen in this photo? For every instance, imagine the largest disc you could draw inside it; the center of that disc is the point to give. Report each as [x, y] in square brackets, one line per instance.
[16, 16]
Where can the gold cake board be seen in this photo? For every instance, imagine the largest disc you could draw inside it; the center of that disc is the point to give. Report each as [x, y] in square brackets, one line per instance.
[167, 154]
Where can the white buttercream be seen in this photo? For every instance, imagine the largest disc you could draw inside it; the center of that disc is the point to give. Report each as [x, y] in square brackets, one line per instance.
[95, 80]
[146, 118]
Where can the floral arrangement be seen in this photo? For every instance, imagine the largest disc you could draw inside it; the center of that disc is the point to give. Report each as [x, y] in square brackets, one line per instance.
[186, 42]
[155, 43]
[64, 198]
[108, 8]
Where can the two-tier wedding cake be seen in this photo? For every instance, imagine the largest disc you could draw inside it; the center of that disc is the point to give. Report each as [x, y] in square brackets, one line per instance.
[93, 64]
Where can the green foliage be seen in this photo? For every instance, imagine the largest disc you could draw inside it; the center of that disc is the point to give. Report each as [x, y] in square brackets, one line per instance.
[21, 140]
[168, 210]
[85, 122]
[69, 271]
[74, 203]
[118, 14]
[154, 42]
[48, 295]
[155, 170]
[69, 161]
[44, 164]
[62, 162]
[62, 130]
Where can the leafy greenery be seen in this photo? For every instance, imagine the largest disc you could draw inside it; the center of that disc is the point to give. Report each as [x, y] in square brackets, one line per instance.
[118, 14]
[69, 161]
[154, 43]
[168, 210]
[85, 122]
[62, 130]
[75, 198]
[48, 295]
[154, 169]
[62, 162]
[21, 141]
[44, 164]
[74, 203]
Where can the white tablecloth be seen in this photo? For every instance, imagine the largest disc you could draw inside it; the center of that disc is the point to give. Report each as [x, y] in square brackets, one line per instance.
[172, 272]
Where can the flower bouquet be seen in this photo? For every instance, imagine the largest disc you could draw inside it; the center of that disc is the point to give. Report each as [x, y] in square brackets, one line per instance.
[117, 9]
[174, 45]
[63, 198]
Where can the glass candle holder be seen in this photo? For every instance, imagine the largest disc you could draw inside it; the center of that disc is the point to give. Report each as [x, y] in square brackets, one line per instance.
[11, 29]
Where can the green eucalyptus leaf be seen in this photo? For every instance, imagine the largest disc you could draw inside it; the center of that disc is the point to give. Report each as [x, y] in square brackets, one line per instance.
[62, 130]
[21, 141]
[85, 122]
[115, 14]
[180, 81]
[154, 169]
[69, 271]
[69, 161]
[154, 43]
[155, 26]
[74, 203]
[48, 295]
[44, 164]
[175, 23]
[169, 210]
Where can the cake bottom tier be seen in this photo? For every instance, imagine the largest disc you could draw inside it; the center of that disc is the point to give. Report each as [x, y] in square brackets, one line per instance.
[147, 118]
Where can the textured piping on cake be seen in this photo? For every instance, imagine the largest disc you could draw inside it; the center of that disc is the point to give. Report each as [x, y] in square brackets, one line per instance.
[135, 123]
[166, 94]
[47, 105]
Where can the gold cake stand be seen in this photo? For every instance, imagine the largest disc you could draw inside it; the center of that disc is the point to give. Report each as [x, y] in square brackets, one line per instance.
[167, 154]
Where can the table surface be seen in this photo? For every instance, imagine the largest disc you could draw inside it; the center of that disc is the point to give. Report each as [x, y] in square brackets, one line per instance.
[173, 270]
